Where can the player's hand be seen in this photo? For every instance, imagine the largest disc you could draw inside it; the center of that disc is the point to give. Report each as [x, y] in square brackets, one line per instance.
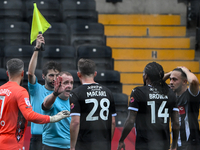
[59, 116]
[39, 41]
[121, 145]
[58, 88]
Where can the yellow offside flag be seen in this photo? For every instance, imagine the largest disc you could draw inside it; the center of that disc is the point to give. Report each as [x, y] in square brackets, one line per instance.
[39, 24]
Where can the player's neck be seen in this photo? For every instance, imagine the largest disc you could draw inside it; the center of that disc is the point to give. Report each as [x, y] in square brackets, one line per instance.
[87, 80]
[15, 79]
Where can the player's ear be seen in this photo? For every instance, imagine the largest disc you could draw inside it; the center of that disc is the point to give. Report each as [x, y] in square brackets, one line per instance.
[22, 73]
[78, 74]
[95, 73]
[43, 76]
[7, 73]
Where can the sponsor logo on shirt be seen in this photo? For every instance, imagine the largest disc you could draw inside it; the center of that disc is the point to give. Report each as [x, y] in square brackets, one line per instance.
[181, 110]
[27, 101]
[72, 105]
[132, 99]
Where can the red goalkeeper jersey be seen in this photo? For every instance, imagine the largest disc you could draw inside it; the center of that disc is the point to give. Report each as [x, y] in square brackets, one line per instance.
[15, 112]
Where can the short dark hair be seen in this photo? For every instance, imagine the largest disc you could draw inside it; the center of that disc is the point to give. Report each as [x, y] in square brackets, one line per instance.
[14, 66]
[51, 65]
[183, 74]
[155, 73]
[86, 66]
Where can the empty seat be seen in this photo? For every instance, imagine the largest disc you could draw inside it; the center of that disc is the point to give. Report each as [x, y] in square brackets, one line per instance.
[121, 117]
[94, 51]
[14, 33]
[23, 52]
[11, 10]
[70, 17]
[1, 57]
[3, 76]
[87, 33]
[110, 79]
[57, 34]
[63, 54]
[48, 8]
[78, 5]
[121, 101]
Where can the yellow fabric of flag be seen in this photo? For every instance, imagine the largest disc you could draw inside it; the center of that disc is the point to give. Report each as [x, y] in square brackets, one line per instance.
[39, 24]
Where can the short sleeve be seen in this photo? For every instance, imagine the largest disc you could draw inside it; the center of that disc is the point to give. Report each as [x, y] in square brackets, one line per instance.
[134, 99]
[32, 88]
[74, 104]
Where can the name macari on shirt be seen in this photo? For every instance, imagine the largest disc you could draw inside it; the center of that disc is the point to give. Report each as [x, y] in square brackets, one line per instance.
[158, 96]
[96, 93]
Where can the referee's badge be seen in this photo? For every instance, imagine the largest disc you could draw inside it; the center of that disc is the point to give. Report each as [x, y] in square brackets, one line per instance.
[27, 101]
[72, 105]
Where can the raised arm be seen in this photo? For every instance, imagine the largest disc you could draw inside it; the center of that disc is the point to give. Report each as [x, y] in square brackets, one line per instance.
[33, 61]
[128, 125]
[192, 80]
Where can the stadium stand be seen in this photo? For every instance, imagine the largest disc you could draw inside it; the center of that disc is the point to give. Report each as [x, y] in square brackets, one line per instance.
[14, 33]
[87, 33]
[11, 10]
[62, 54]
[3, 76]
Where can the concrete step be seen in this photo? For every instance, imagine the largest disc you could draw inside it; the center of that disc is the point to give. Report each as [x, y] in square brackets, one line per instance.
[124, 42]
[138, 66]
[139, 19]
[137, 78]
[119, 30]
[155, 54]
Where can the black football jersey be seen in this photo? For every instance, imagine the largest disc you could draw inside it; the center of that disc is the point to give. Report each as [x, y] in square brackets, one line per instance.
[95, 105]
[153, 112]
[188, 105]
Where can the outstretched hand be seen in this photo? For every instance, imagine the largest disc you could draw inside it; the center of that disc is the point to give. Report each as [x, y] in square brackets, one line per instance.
[58, 88]
[59, 116]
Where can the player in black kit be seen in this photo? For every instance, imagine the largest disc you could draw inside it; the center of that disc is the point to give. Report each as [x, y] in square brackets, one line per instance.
[188, 104]
[92, 111]
[150, 108]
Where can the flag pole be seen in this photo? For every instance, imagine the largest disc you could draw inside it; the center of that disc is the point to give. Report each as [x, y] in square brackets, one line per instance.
[39, 23]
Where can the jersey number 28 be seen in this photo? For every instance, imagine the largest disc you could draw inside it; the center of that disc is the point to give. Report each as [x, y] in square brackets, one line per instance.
[103, 116]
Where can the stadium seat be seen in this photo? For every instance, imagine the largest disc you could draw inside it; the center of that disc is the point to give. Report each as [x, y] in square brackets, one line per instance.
[1, 57]
[48, 8]
[121, 101]
[57, 34]
[78, 5]
[77, 17]
[110, 79]
[94, 51]
[121, 117]
[23, 52]
[121, 106]
[63, 54]
[3, 76]
[14, 33]
[11, 10]
[87, 33]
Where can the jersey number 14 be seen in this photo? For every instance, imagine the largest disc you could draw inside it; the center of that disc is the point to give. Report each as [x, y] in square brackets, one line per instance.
[165, 114]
